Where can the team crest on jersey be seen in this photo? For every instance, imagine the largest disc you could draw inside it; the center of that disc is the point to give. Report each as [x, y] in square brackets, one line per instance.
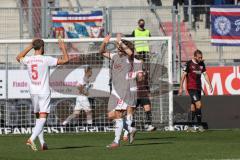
[222, 25]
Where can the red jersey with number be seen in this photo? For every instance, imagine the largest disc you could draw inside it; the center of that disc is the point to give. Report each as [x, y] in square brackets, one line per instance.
[194, 71]
[38, 71]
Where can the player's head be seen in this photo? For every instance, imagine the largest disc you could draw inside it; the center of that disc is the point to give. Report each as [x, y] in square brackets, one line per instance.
[140, 76]
[141, 23]
[38, 45]
[198, 56]
[88, 71]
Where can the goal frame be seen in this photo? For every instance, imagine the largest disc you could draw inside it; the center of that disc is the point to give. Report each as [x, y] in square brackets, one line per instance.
[161, 38]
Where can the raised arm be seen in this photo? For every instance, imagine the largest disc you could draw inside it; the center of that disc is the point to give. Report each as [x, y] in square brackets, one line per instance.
[102, 49]
[24, 52]
[63, 59]
[123, 46]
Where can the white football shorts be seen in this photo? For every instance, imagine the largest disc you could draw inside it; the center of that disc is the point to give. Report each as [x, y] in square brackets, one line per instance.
[82, 103]
[41, 103]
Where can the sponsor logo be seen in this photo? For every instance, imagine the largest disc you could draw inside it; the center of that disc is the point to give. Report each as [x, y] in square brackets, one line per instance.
[117, 66]
[55, 130]
[224, 80]
[198, 72]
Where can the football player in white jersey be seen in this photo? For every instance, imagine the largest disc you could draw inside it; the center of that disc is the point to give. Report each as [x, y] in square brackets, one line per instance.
[82, 102]
[38, 71]
[121, 97]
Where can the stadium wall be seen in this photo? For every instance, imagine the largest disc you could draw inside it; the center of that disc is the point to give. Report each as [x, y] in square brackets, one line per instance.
[220, 112]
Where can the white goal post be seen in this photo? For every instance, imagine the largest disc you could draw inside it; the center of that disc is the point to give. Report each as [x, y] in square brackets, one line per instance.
[9, 48]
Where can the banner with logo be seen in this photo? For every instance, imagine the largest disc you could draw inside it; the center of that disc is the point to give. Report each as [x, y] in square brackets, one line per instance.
[224, 80]
[225, 26]
[61, 87]
[68, 24]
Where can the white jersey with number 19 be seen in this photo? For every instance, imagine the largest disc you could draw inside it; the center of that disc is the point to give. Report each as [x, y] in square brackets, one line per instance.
[38, 71]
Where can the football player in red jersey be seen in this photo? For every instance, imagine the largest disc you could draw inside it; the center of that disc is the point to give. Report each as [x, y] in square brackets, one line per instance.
[192, 72]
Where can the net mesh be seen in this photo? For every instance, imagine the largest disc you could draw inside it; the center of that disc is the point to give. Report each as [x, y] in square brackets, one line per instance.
[16, 108]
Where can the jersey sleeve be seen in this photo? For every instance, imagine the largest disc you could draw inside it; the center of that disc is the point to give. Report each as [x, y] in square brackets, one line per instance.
[24, 60]
[51, 61]
[186, 68]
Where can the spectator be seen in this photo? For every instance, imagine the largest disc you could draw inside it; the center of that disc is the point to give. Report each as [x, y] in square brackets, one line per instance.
[142, 47]
[176, 2]
[181, 2]
[196, 11]
[208, 2]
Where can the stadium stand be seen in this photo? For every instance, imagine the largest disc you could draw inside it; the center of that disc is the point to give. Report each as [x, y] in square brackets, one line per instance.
[198, 37]
[9, 19]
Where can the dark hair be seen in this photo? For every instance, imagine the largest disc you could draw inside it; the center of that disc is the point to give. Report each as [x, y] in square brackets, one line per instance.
[197, 52]
[37, 44]
[88, 68]
[130, 45]
[141, 20]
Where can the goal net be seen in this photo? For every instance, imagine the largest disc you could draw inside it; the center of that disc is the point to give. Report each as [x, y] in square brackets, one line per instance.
[16, 110]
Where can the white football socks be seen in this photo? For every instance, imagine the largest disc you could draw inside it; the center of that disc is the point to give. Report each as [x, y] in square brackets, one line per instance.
[118, 130]
[129, 120]
[38, 128]
[89, 117]
[69, 118]
[41, 137]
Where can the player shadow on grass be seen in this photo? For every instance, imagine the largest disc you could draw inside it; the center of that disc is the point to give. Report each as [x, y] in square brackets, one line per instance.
[70, 147]
[147, 144]
[155, 138]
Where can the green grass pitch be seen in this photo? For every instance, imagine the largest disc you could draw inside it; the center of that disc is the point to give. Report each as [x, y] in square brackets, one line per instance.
[147, 146]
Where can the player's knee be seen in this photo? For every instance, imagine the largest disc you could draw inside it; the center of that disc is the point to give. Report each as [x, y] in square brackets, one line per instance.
[147, 108]
[118, 114]
[111, 115]
[193, 108]
[198, 104]
[76, 113]
[43, 115]
[130, 110]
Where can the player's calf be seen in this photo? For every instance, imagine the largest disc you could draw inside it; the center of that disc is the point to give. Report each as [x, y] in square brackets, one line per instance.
[131, 135]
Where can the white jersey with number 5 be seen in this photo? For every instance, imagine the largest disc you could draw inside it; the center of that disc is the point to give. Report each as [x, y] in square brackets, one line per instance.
[38, 71]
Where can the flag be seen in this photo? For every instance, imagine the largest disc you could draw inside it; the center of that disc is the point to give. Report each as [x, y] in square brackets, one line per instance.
[76, 24]
[225, 25]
